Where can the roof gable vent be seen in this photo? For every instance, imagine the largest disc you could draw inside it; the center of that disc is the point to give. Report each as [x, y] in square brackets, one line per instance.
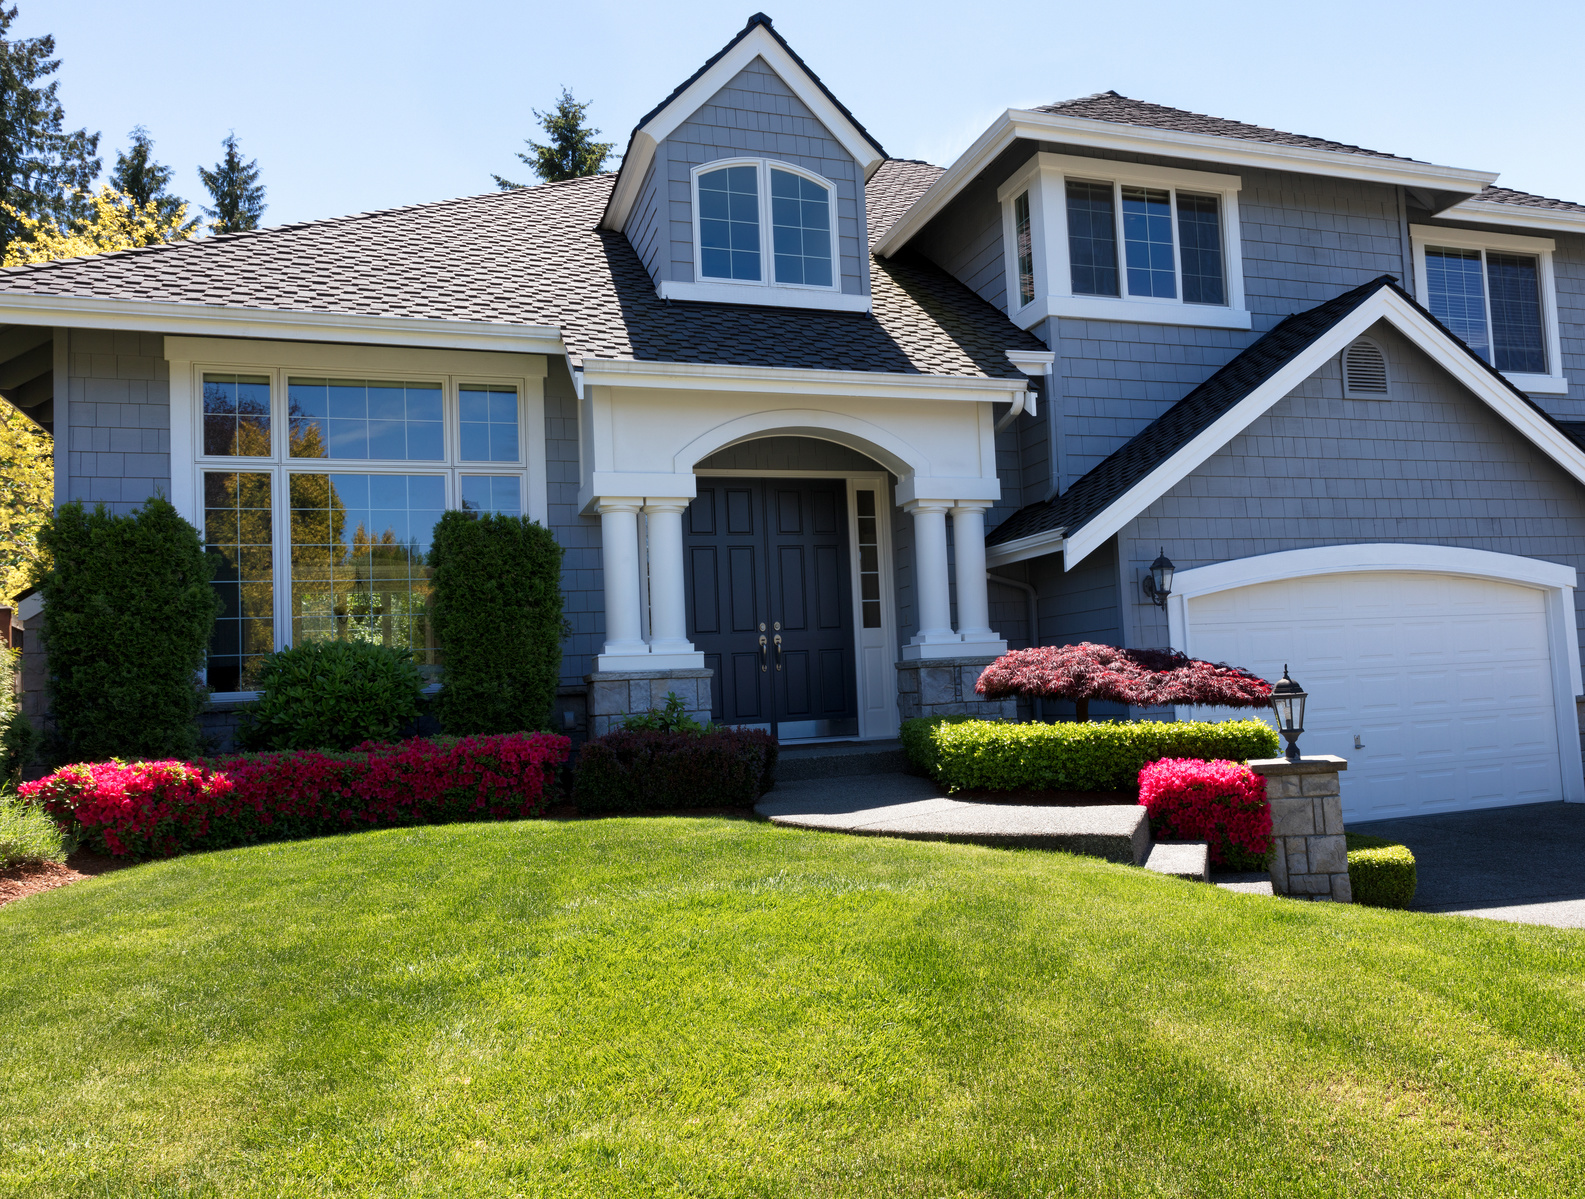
[1364, 371]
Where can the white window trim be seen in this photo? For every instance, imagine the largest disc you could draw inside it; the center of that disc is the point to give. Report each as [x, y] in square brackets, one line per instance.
[190, 358]
[1421, 236]
[1045, 178]
[765, 290]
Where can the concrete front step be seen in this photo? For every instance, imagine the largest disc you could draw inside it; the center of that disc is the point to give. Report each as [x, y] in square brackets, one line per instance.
[1181, 859]
[899, 805]
[839, 759]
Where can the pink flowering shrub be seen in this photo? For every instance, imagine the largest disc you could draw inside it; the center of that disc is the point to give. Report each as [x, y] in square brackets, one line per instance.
[1221, 803]
[155, 809]
[1140, 678]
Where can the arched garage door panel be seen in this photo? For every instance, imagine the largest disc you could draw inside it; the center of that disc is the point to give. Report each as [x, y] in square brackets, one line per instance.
[1445, 680]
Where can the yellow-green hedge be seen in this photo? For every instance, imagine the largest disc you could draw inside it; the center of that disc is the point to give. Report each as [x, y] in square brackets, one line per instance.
[996, 755]
[1380, 873]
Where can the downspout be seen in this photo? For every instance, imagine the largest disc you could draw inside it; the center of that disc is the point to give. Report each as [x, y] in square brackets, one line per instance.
[1033, 598]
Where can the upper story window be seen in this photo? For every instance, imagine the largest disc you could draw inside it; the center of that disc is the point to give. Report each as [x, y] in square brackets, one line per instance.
[764, 222]
[1119, 241]
[1495, 291]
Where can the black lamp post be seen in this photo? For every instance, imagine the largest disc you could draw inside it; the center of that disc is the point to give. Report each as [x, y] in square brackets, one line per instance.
[1158, 583]
[1287, 701]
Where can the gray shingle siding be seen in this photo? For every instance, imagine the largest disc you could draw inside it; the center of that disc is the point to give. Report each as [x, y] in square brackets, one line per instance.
[119, 418]
[1433, 465]
[582, 584]
[648, 227]
[757, 114]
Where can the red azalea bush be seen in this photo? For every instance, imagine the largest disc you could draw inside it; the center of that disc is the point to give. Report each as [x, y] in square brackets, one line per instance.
[1221, 803]
[1140, 678]
[646, 770]
[152, 809]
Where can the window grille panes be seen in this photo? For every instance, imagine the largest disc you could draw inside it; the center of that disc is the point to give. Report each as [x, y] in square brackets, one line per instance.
[501, 494]
[366, 419]
[729, 223]
[1026, 251]
[869, 560]
[1147, 242]
[1514, 281]
[237, 416]
[1200, 248]
[237, 540]
[800, 229]
[1457, 297]
[359, 546]
[488, 423]
[1092, 239]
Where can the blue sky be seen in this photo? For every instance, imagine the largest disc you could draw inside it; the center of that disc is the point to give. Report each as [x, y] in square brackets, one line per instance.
[351, 107]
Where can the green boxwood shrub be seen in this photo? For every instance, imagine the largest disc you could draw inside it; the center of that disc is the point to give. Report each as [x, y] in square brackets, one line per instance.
[647, 770]
[495, 606]
[128, 611]
[1380, 872]
[965, 754]
[331, 695]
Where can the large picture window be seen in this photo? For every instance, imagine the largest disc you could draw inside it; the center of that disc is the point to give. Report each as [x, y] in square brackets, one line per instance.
[348, 543]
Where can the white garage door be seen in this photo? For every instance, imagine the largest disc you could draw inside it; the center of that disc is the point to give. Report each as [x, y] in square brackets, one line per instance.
[1436, 688]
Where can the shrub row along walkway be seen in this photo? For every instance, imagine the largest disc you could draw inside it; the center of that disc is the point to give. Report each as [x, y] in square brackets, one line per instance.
[900, 805]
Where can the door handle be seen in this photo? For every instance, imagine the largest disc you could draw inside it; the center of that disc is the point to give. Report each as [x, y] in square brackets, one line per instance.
[778, 651]
[764, 655]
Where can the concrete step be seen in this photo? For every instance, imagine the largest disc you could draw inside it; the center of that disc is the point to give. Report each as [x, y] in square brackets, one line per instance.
[900, 805]
[839, 759]
[1181, 859]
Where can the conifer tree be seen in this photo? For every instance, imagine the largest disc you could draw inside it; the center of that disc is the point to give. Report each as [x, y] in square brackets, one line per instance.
[144, 181]
[572, 151]
[45, 171]
[234, 187]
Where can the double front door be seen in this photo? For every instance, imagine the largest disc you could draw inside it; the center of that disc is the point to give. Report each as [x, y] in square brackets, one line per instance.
[770, 603]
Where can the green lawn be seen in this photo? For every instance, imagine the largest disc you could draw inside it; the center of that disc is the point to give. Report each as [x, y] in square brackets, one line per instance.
[720, 1007]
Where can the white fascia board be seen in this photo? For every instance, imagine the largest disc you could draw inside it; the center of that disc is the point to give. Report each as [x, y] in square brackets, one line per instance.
[1519, 216]
[757, 44]
[159, 316]
[692, 376]
[1409, 321]
[1017, 124]
[1023, 548]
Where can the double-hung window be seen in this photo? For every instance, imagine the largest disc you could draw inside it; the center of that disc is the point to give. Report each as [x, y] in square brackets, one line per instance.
[767, 223]
[1119, 241]
[1495, 292]
[317, 492]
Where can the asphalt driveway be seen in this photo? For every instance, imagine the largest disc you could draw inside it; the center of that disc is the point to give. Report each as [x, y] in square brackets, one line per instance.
[1525, 863]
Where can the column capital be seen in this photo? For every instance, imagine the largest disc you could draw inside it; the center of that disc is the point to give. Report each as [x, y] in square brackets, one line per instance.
[971, 505]
[666, 504]
[913, 506]
[617, 503]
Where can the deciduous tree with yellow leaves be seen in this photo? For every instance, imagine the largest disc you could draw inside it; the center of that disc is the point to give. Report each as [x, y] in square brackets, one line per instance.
[115, 222]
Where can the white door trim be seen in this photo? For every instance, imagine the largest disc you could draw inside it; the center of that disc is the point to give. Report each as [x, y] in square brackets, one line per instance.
[1555, 581]
[870, 727]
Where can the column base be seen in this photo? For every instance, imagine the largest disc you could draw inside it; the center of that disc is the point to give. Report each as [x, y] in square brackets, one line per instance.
[1309, 855]
[944, 686]
[614, 695]
[645, 660]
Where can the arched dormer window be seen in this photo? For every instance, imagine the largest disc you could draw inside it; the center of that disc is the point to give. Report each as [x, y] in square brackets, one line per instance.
[758, 221]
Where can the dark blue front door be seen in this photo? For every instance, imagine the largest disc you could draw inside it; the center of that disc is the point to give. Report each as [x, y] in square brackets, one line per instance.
[770, 603]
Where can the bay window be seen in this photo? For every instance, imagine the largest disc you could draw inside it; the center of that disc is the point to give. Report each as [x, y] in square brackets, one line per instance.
[1494, 291]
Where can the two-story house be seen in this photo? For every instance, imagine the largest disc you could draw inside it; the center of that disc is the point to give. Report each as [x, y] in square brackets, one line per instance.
[823, 431]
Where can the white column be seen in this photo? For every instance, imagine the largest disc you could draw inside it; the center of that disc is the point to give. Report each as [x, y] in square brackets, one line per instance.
[668, 622]
[619, 555]
[930, 573]
[968, 539]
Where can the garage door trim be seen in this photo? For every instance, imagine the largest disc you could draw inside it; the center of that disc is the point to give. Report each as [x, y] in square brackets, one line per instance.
[1555, 581]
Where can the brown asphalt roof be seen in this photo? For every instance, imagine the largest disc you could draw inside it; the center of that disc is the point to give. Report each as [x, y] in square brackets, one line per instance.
[896, 184]
[1507, 195]
[534, 257]
[1121, 110]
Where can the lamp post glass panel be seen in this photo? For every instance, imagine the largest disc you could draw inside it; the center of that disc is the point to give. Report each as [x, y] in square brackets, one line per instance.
[1158, 583]
[1287, 702]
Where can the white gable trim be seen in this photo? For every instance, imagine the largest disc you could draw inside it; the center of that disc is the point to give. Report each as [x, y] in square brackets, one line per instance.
[757, 43]
[1519, 216]
[1385, 304]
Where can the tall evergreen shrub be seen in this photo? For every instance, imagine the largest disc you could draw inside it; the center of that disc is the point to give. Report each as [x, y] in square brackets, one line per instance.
[128, 610]
[17, 738]
[495, 606]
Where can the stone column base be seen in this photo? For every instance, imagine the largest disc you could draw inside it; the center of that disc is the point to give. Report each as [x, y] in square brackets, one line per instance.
[945, 687]
[1309, 856]
[614, 695]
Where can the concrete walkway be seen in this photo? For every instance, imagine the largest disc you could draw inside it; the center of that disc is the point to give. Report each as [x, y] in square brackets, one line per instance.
[901, 805]
[1525, 864]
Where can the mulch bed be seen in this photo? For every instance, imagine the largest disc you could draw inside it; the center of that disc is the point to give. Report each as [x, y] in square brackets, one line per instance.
[18, 882]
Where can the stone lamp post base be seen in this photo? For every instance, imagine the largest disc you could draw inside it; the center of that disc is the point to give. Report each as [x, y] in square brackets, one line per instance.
[1309, 858]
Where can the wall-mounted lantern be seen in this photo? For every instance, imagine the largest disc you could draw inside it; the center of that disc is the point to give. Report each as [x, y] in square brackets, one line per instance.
[1287, 701]
[1158, 583]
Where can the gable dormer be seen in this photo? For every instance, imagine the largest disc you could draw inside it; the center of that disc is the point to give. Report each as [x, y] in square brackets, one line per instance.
[746, 185]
